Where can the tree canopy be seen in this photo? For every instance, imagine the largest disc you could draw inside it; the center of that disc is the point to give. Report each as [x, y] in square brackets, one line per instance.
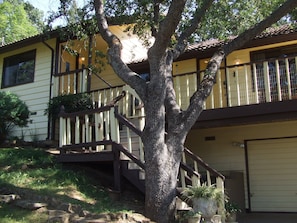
[18, 20]
[224, 18]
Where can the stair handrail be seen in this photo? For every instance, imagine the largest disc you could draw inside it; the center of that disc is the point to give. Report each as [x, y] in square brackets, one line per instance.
[203, 164]
[127, 123]
[195, 178]
[191, 176]
[125, 151]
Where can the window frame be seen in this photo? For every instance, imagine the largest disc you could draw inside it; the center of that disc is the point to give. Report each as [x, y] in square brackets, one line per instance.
[16, 60]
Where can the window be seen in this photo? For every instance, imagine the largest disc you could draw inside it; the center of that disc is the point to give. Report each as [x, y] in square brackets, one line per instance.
[19, 69]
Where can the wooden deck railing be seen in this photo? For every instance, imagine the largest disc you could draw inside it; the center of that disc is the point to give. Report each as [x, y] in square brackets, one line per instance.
[242, 84]
[195, 172]
[194, 168]
[254, 83]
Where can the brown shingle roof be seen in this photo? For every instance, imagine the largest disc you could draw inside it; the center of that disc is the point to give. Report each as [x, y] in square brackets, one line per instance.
[269, 32]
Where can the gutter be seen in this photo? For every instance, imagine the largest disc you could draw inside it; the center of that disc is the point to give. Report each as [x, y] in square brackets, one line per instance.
[50, 90]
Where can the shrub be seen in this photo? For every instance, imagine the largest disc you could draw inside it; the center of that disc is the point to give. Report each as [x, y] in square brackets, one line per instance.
[71, 103]
[13, 112]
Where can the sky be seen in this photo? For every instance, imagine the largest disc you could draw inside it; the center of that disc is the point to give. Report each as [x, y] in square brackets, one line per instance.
[45, 5]
[48, 5]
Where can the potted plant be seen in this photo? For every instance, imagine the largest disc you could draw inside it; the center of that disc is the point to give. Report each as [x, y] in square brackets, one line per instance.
[231, 211]
[205, 199]
[193, 217]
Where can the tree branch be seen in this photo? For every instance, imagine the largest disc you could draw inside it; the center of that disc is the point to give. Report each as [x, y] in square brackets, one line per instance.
[258, 28]
[194, 24]
[191, 115]
[155, 18]
[167, 27]
[114, 53]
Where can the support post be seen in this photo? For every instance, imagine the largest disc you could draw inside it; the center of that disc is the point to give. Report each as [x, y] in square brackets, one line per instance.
[116, 168]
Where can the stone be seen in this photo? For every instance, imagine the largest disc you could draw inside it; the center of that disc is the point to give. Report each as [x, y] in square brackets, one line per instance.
[31, 205]
[9, 198]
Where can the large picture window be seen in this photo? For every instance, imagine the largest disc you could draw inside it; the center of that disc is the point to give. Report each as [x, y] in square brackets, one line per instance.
[19, 69]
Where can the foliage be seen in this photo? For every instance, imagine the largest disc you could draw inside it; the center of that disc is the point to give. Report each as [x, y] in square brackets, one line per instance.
[19, 20]
[13, 112]
[225, 17]
[231, 207]
[192, 213]
[76, 22]
[35, 16]
[203, 191]
[71, 103]
[187, 214]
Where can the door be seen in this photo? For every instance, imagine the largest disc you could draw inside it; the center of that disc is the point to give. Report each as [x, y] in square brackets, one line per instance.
[272, 166]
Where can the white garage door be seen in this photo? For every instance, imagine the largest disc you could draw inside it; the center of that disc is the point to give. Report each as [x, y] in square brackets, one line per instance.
[273, 175]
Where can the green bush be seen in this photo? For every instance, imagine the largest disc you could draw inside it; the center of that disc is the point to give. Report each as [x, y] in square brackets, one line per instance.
[71, 103]
[13, 112]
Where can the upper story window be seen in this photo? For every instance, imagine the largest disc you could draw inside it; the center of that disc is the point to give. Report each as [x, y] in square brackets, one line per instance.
[18, 69]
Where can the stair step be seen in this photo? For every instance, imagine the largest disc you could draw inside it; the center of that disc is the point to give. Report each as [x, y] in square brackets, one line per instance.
[133, 175]
[142, 174]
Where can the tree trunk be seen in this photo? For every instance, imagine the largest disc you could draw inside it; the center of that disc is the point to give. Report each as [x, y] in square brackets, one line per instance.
[162, 154]
[161, 181]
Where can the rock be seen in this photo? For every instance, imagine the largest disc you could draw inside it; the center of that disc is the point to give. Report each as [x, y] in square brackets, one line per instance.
[31, 205]
[58, 216]
[9, 198]
[72, 208]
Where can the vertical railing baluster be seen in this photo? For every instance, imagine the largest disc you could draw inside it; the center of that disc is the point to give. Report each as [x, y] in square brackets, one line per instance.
[208, 178]
[220, 88]
[129, 141]
[256, 82]
[77, 130]
[220, 186]
[278, 82]
[114, 126]
[267, 81]
[288, 78]
[99, 127]
[229, 102]
[246, 75]
[62, 140]
[68, 130]
[237, 86]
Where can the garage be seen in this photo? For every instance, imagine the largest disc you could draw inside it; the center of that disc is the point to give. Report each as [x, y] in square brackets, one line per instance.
[272, 174]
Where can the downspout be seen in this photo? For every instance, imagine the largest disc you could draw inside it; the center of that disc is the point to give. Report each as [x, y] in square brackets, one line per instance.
[50, 90]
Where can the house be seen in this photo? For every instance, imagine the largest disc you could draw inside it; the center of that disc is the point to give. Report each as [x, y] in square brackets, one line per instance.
[248, 130]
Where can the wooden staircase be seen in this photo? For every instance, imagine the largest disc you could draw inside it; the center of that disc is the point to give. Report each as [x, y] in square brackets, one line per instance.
[112, 133]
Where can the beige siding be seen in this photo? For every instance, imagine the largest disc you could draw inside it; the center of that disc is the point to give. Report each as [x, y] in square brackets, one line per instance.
[36, 94]
[224, 153]
[184, 66]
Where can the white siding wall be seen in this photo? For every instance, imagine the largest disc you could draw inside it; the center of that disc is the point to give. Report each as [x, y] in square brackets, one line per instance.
[36, 94]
